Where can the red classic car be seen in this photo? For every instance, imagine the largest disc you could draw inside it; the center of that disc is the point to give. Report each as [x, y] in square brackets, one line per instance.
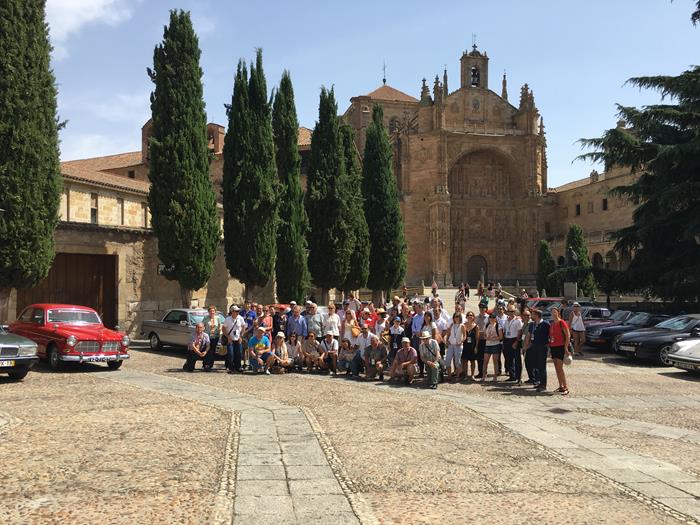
[66, 332]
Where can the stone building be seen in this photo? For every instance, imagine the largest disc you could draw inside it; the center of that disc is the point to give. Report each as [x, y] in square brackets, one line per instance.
[471, 169]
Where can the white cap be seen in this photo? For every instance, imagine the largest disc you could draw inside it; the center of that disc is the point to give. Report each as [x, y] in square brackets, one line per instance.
[405, 340]
[280, 334]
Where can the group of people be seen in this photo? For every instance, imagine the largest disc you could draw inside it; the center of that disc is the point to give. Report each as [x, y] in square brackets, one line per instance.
[404, 340]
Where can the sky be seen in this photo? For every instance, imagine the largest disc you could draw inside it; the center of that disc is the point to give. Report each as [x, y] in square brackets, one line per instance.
[575, 56]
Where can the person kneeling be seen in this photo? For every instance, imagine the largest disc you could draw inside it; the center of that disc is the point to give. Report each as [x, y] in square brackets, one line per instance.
[260, 356]
[312, 356]
[345, 356]
[404, 364]
[198, 347]
[375, 356]
[329, 353]
[430, 354]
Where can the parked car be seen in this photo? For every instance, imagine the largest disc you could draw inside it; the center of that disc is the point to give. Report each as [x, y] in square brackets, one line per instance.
[616, 317]
[71, 333]
[17, 355]
[604, 336]
[175, 327]
[686, 355]
[589, 313]
[656, 342]
[542, 303]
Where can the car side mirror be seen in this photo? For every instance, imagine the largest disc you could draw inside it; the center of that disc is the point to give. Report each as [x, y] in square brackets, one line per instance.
[695, 331]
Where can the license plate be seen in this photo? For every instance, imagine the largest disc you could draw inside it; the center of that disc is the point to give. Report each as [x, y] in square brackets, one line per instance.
[7, 363]
[686, 366]
[626, 348]
[98, 358]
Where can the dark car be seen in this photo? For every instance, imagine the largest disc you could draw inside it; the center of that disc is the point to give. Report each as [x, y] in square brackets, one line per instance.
[655, 343]
[17, 355]
[617, 317]
[604, 336]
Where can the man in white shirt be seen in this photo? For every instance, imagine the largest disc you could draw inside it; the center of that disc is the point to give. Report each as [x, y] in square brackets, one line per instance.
[511, 331]
[234, 329]
[329, 353]
[353, 303]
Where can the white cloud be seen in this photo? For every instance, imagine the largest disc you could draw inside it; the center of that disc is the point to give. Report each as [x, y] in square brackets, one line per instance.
[66, 17]
[86, 145]
[122, 107]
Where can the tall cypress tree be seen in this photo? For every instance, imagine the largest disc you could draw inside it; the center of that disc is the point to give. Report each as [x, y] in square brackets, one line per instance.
[291, 267]
[182, 198]
[330, 234]
[387, 262]
[545, 267]
[29, 167]
[359, 259]
[576, 243]
[250, 182]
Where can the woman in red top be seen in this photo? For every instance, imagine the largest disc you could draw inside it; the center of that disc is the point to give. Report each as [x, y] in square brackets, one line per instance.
[559, 337]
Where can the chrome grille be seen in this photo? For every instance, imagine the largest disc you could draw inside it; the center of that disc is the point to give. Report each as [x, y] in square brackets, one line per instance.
[9, 351]
[111, 346]
[87, 346]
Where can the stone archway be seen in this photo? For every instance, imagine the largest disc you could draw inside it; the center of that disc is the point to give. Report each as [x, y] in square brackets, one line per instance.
[597, 260]
[476, 267]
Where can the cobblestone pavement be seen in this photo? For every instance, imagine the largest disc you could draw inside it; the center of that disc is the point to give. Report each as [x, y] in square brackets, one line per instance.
[298, 448]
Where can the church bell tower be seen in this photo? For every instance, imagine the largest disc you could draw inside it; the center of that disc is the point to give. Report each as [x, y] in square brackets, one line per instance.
[474, 69]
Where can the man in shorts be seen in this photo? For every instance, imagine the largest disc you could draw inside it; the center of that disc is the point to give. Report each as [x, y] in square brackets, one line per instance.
[375, 356]
[404, 365]
[259, 354]
[329, 353]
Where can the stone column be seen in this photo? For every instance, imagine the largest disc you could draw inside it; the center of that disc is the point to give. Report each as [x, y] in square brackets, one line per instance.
[440, 236]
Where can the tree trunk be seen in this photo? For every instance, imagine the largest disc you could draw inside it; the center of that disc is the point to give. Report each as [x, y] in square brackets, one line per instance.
[186, 297]
[378, 298]
[248, 292]
[324, 296]
[5, 305]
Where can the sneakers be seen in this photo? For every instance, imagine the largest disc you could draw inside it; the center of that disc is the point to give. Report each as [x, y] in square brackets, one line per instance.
[267, 372]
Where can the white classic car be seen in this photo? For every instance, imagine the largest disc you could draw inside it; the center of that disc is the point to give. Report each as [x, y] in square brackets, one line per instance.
[686, 355]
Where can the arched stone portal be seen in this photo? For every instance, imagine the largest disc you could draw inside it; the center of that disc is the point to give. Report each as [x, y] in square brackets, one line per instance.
[597, 260]
[477, 269]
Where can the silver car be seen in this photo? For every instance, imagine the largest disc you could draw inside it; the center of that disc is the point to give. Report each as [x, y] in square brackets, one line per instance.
[686, 355]
[175, 328]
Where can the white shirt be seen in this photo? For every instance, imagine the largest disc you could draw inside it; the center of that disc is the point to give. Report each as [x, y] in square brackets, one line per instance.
[379, 327]
[363, 342]
[455, 335]
[501, 320]
[235, 326]
[354, 305]
[512, 328]
[443, 316]
[332, 323]
[331, 347]
[577, 323]
[442, 324]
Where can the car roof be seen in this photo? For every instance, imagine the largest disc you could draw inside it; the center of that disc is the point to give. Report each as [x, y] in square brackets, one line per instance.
[191, 310]
[50, 306]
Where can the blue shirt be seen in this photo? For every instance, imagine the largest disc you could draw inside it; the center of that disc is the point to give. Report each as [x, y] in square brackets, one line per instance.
[253, 341]
[539, 333]
[297, 326]
[249, 317]
[416, 324]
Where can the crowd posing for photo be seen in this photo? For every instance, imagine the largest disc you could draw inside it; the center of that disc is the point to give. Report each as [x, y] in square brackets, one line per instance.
[402, 342]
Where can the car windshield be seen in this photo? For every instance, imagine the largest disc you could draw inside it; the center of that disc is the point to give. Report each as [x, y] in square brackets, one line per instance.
[62, 315]
[202, 315]
[677, 323]
[638, 319]
[620, 315]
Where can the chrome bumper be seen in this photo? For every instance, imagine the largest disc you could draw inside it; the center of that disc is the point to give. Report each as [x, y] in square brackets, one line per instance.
[94, 358]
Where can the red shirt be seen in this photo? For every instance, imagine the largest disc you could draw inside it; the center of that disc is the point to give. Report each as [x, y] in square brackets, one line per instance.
[556, 333]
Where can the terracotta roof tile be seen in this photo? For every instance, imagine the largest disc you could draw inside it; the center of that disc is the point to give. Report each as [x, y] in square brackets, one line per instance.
[389, 93]
[84, 173]
[304, 137]
[108, 162]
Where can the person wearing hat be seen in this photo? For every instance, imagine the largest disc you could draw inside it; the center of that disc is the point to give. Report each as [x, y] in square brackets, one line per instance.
[395, 307]
[281, 351]
[493, 346]
[396, 333]
[329, 353]
[233, 331]
[482, 321]
[429, 351]
[375, 357]
[404, 365]
[259, 353]
[511, 349]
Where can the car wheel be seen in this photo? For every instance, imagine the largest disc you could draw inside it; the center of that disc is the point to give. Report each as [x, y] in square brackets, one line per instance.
[662, 358]
[54, 362]
[154, 341]
[114, 365]
[18, 375]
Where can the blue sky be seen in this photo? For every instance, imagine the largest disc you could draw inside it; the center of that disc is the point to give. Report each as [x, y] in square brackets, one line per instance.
[575, 56]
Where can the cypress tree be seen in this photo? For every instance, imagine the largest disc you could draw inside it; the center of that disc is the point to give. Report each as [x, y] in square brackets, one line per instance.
[182, 199]
[387, 262]
[576, 244]
[29, 166]
[291, 267]
[545, 266]
[359, 258]
[330, 234]
[250, 182]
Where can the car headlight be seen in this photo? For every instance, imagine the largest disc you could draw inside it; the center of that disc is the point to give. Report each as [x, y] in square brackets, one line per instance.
[596, 332]
[674, 348]
[71, 340]
[125, 340]
[25, 351]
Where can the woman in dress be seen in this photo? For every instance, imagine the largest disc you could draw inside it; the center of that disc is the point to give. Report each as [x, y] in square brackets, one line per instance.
[455, 335]
[469, 346]
[349, 328]
[559, 338]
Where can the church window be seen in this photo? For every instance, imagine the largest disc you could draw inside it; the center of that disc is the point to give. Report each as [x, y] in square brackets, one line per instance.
[132, 174]
[547, 227]
[590, 207]
[93, 208]
[365, 109]
[605, 204]
[144, 214]
[120, 206]
[578, 210]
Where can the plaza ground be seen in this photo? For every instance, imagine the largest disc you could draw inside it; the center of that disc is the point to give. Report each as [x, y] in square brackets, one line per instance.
[152, 444]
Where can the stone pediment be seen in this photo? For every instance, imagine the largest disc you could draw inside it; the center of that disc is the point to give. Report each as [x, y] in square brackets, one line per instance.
[467, 106]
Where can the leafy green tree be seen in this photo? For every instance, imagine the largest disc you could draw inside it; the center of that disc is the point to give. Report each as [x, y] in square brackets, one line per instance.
[545, 267]
[291, 269]
[250, 181]
[576, 244]
[182, 199]
[330, 234]
[29, 166]
[387, 262]
[359, 259]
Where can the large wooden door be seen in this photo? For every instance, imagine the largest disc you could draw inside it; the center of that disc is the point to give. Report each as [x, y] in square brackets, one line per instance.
[477, 269]
[82, 279]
